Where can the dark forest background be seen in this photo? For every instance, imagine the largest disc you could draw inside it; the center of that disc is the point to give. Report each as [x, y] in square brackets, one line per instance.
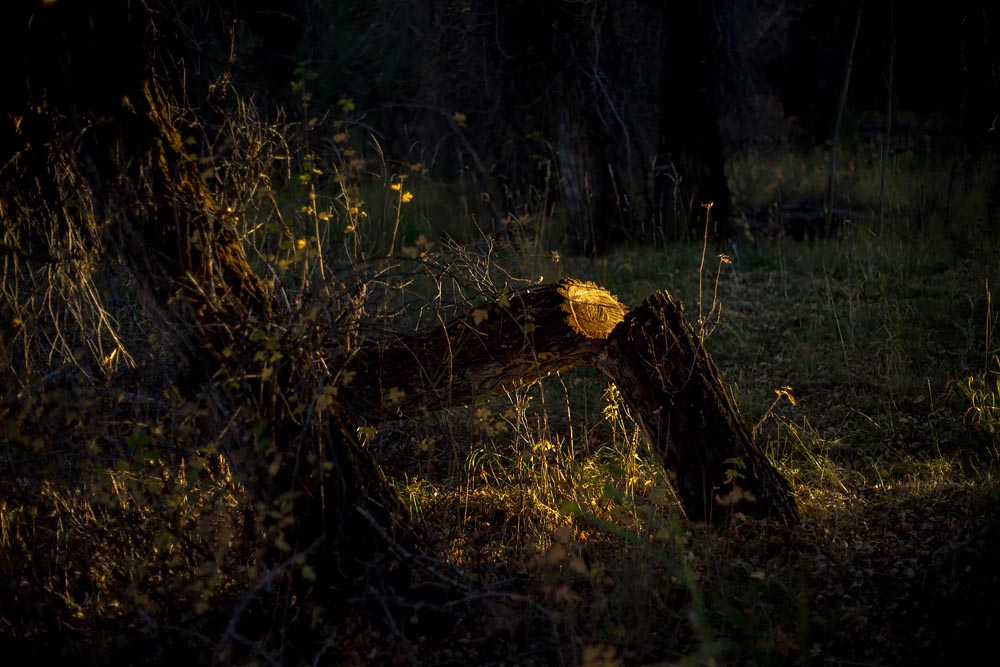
[630, 109]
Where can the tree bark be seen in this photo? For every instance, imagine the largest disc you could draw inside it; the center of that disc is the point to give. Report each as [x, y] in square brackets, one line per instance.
[585, 177]
[673, 388]
[512, 341]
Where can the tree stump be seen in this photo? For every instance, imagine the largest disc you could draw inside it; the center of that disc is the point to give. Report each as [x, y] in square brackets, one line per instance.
[674, 390]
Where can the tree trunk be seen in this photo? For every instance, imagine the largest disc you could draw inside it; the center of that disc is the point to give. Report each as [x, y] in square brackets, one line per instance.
[187, 259]
[690, 165]
[512, 341]
[590, 136]
[674, 390]
[585, 176]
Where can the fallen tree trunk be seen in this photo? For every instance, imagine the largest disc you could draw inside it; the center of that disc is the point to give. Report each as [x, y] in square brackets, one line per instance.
[510, 342]
[673, 388]
[665, 375]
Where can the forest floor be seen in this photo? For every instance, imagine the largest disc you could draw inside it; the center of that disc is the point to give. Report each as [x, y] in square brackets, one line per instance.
[867, 365]
[869, 373]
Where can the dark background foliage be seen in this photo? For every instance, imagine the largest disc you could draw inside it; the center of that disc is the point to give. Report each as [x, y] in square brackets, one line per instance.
[635, 82]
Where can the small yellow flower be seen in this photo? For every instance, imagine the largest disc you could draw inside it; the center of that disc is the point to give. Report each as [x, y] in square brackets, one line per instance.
[324, 216]
[301, 243]
[786, 391]
[725, 259]
[396, 186]
[348, 229]
[407, 197]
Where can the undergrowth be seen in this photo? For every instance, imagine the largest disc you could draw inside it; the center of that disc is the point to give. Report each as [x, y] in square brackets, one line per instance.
[866, 363]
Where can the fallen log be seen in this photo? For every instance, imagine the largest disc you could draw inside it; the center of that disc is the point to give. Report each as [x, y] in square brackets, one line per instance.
[661, 367]
[674, 390]
[512, 341]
